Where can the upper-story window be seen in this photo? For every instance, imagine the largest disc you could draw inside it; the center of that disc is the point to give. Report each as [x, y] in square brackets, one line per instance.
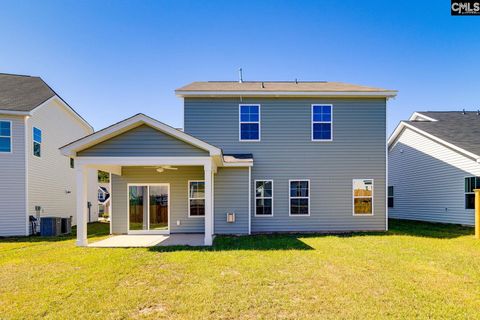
[5, 136]
[37, 142]
[322, 119]
[249, 122]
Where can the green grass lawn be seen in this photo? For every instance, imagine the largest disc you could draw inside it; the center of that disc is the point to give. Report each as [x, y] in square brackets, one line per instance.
[416, 270]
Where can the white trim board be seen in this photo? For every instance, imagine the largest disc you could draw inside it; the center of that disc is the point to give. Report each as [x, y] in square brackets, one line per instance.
[417, 115]
[130, 123]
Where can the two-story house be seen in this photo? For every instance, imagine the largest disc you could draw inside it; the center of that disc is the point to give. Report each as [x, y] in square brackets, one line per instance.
[254, 157]
[35, 178]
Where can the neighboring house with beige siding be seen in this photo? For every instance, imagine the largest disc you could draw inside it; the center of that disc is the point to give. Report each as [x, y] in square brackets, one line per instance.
[35, 122]
[254, 157]
[434, 166]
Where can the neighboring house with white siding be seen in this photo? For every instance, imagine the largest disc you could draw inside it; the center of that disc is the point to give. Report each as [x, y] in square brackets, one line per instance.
[34, 123]
[254, 157]
[434, 166]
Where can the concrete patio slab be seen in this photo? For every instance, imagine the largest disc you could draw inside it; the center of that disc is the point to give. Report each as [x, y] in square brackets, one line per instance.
[143, 241]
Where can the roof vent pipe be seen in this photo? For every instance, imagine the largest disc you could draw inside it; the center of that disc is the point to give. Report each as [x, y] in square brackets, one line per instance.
[463, 112]
[296, 81]
[240, 75]
[478, 112]
[263, 86]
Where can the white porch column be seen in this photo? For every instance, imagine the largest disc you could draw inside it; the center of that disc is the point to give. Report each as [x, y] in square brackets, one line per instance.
[82, 210]
[208, 205]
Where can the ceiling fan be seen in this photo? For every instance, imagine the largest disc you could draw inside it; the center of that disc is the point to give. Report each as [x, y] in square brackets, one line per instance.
[161, 169]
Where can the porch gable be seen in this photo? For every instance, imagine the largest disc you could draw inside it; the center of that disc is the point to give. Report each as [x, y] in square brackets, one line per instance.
[143, 141]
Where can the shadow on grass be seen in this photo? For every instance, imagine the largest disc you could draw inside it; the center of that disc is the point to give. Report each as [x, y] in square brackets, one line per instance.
[262, 242]
[94, 229]
[428, 230]
[279, 241]
[294, 241]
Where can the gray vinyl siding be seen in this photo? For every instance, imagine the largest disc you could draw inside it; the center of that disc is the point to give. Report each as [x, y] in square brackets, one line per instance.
[12, 186]
[231, 195]
[143, 141]
[429, 180]
[358, 150]
[178, 180]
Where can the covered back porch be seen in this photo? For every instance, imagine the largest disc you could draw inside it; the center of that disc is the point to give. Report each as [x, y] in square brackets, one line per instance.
[161, 181]
[178, 200]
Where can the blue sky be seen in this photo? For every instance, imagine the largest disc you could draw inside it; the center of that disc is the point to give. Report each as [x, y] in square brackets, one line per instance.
[112, 59]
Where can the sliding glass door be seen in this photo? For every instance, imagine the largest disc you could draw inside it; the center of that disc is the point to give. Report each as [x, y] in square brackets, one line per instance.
[148, 207]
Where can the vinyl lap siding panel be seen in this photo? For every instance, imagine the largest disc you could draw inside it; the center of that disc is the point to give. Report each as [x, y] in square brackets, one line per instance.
[231, 195]
[358, 150]
[178, 180]
[12, 186]
[429, 180]
[143, 141]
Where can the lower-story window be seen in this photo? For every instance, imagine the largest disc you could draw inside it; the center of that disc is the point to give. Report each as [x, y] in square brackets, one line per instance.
[471, 183]
[362, 197]
[390, 197]
[264, 197]
[299, 197]
[196, 198]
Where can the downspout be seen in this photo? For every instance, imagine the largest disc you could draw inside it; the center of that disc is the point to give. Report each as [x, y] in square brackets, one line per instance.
[27, 220]
[249, 200]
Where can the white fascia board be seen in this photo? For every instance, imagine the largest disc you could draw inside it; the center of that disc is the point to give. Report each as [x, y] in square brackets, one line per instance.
[416, 115]
[135, 121]
[15, 113]
[384, 94]
[237, 164]
[66, 107]
[404, 125]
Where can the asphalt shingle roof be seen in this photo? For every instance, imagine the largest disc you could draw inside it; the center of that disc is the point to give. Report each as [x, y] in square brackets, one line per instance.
[273, 86]
[23, 93]
[456, 127]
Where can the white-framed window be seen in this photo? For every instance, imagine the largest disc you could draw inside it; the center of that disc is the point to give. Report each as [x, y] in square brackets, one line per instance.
[322, 122]
[362, 197]
[5, 136]
[263, 198]
[196, 198]
[299, 197]
[471, 183]
[37, 142]
[249, 122]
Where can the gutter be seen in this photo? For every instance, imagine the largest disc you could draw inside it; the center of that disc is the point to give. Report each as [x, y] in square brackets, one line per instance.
[381, 94]
[15, 113]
